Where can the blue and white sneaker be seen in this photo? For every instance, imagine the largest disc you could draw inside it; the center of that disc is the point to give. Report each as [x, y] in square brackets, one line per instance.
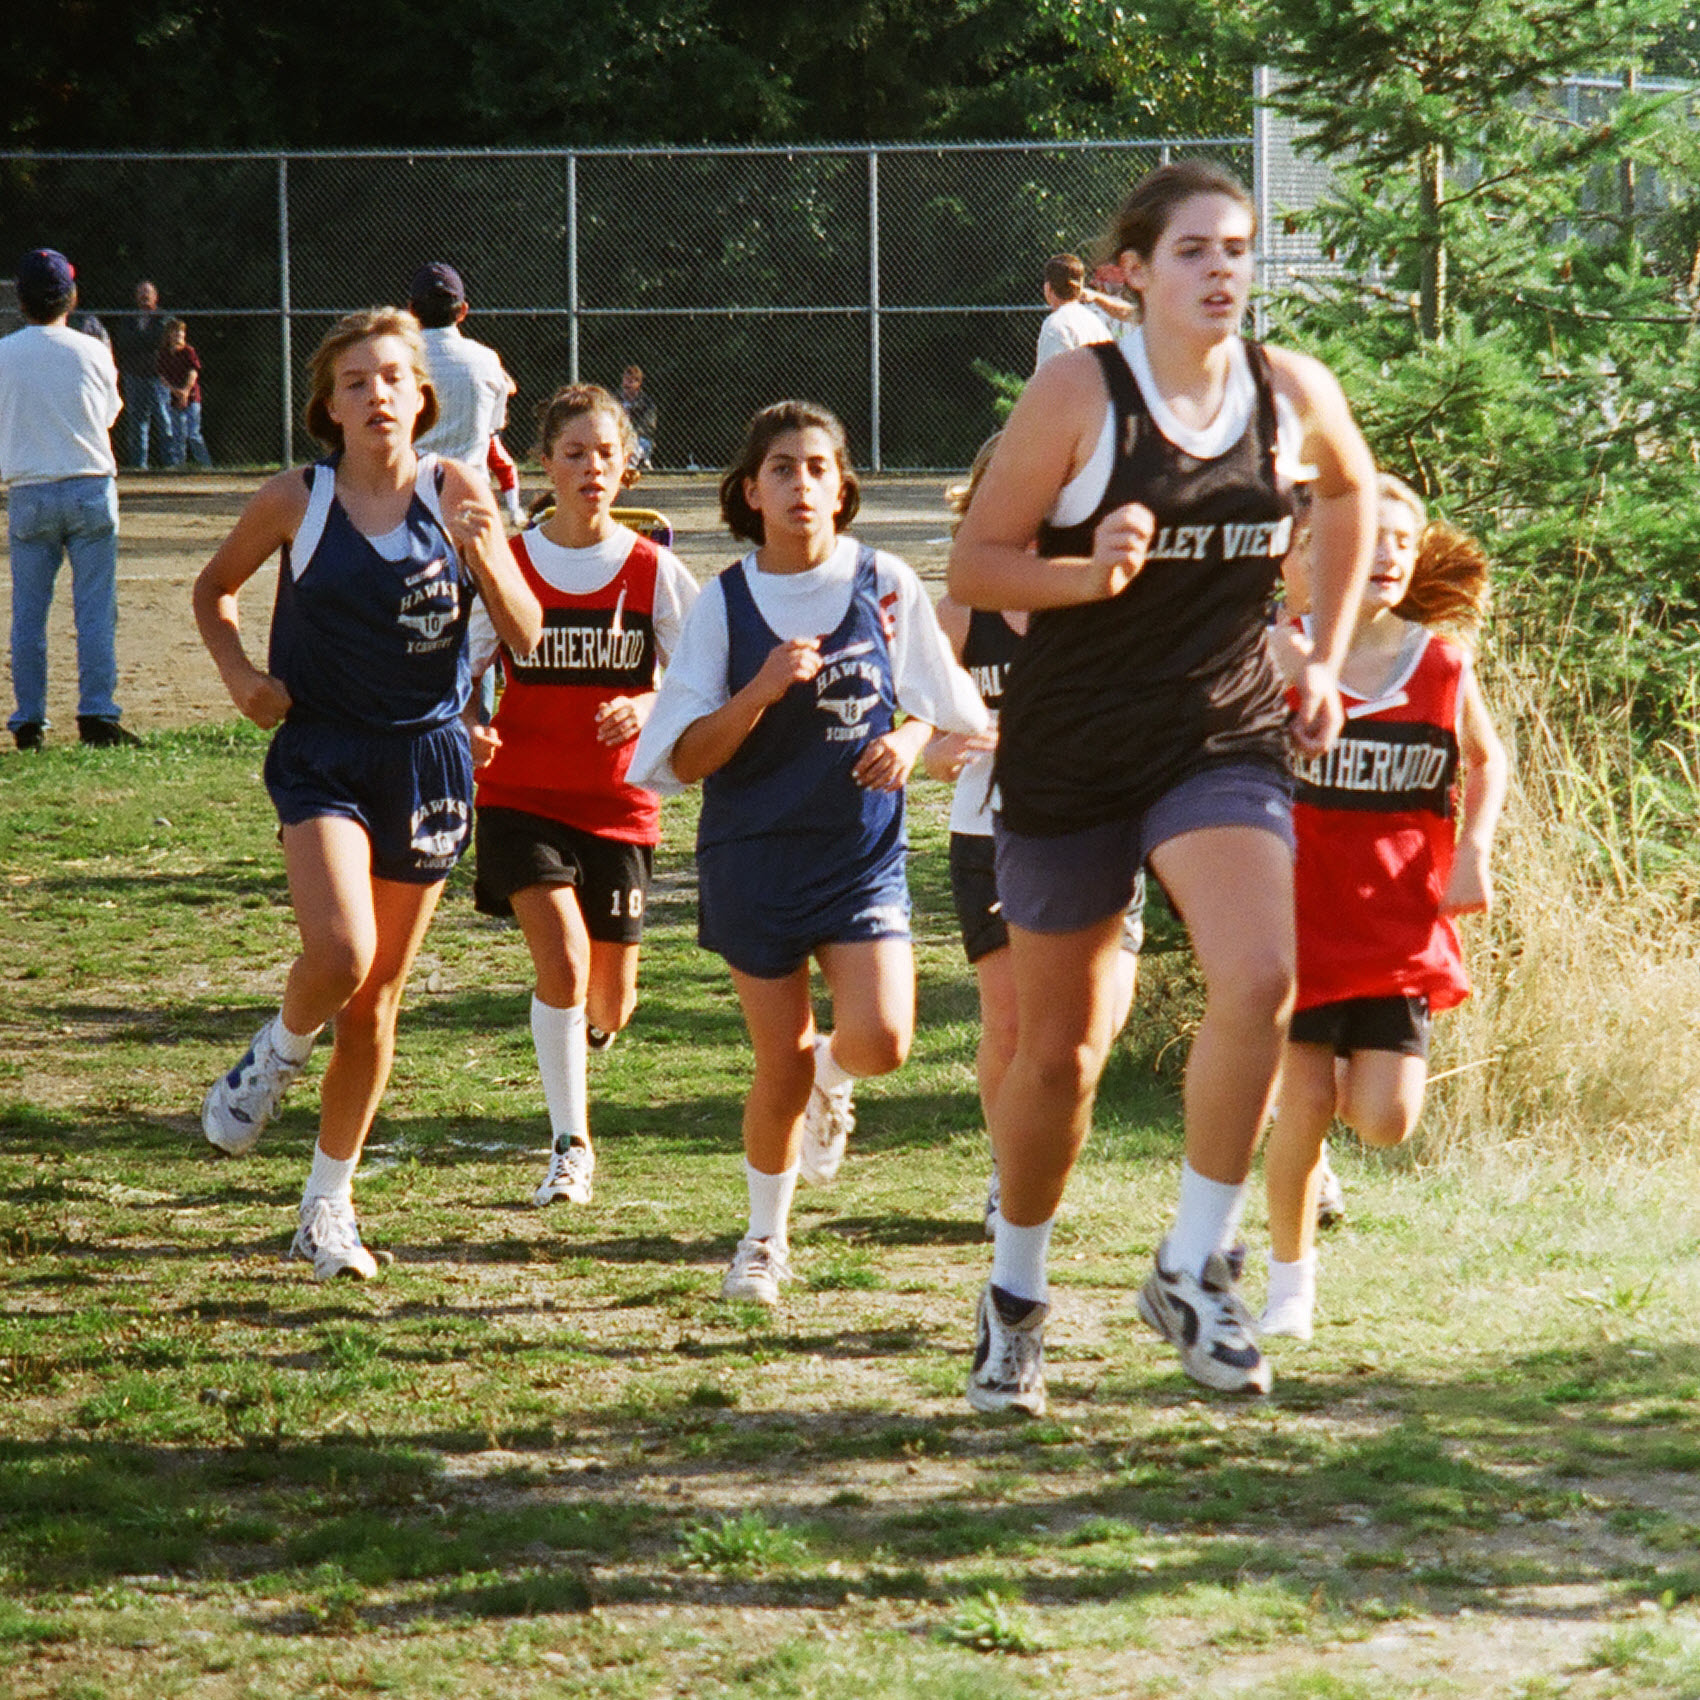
[329, 1238]
[1204, 1317]
[238, 1105]
[1008, 1372]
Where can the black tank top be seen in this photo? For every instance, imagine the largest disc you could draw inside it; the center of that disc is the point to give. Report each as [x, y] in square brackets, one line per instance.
[987, 652]
[1116, 702]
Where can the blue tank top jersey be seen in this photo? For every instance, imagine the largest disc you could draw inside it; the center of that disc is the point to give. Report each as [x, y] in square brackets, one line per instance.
[364, 641]
[791, 777]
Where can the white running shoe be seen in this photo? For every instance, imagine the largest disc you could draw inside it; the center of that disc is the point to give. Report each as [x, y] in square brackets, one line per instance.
[569, 1175]
[1008, 1373]
[329, 1237]
[1330, 1197]
[827, 1124]
[994, 1203]
[238, 1105]
[1294, 1317]
[1205, 1318]
[758, 1266]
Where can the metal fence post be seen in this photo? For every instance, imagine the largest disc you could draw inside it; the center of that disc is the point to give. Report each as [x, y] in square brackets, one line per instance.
[572, 268]
[286, 387]
[874, 306]
[1261, 81]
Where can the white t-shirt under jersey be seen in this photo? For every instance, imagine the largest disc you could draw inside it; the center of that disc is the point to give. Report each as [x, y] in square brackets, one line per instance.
[930, 685]
[1082, 494]
[578, 572]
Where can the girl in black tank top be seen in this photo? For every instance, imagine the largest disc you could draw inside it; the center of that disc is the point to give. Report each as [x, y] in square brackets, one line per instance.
[1117, 701]
[1143, 723]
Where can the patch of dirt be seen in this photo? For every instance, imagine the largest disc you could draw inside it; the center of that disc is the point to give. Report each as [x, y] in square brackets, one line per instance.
[170, 524]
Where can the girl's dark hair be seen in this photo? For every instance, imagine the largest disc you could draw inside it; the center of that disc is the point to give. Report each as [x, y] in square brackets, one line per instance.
[167, 330]
[572, 401]
[1142, 218]
[348, 332]
[772, 422]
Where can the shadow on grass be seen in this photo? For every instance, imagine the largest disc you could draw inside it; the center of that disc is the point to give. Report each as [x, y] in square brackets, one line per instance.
[1181, 1497]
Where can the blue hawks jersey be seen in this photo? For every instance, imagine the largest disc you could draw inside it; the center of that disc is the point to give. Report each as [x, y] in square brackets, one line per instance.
[365, 641]
[791, 777]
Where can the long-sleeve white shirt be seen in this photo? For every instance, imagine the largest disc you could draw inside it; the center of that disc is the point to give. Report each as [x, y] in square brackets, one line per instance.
[472, 397]
[930, 685]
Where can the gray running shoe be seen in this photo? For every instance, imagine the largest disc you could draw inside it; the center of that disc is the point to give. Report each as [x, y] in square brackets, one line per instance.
[1204, 1317]
[758, 1266]
[1008, 1373]
[1331, 1197]
[827, 1125]
[569, 1175]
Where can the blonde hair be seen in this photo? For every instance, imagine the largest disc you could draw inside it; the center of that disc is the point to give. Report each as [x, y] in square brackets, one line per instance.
[958, 496]
[345, 334]
[1391, 489]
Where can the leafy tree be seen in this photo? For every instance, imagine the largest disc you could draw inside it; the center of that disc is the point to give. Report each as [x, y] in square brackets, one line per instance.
[319, 73]
[1516, 322]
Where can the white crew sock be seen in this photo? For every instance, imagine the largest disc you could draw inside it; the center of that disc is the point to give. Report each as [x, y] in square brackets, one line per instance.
[330, 1177]
[1206, 1221]
[1292, 1280]
[1291, 1306]
[828, 1075]
[770, 1203]
[1018, 1258]
[292, 1047]
[563, 1061]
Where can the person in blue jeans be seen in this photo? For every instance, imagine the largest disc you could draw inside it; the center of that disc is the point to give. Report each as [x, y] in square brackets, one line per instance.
[147, 396]
[180, 368]
[58, 402]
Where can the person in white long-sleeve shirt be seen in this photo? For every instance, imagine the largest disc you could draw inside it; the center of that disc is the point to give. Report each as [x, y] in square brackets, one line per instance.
[471, 384]
[58, 402]
[783, 697]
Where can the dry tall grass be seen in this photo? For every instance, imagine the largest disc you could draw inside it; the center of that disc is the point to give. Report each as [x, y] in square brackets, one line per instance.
[1583, 1035]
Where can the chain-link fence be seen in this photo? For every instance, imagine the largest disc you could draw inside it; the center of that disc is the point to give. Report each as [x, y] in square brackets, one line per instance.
[882, 281]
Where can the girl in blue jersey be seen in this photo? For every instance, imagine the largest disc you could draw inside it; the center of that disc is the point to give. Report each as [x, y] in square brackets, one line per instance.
[782, 698]
[383, 551]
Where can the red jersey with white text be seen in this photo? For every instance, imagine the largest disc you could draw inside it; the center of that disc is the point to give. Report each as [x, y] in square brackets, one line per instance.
[594, 647]
[1374, 818]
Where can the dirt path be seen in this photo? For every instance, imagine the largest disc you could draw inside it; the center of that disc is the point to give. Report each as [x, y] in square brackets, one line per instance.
[169, 525]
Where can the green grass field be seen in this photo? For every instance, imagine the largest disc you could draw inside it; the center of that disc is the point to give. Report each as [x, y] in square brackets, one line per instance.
[538, 1456]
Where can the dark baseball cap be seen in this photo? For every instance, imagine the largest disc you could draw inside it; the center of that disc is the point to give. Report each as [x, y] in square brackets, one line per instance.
[46, 272]
[438, 278]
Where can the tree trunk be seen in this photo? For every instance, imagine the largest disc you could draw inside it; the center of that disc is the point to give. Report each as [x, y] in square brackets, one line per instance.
[1432, 314]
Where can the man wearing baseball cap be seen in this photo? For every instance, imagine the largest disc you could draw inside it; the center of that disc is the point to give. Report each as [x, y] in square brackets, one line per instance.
[472, 386]
[58, 402]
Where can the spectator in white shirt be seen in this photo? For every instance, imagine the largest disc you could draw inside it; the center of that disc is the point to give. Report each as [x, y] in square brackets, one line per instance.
[58, 403]
[1072, 322]
[471, 384]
